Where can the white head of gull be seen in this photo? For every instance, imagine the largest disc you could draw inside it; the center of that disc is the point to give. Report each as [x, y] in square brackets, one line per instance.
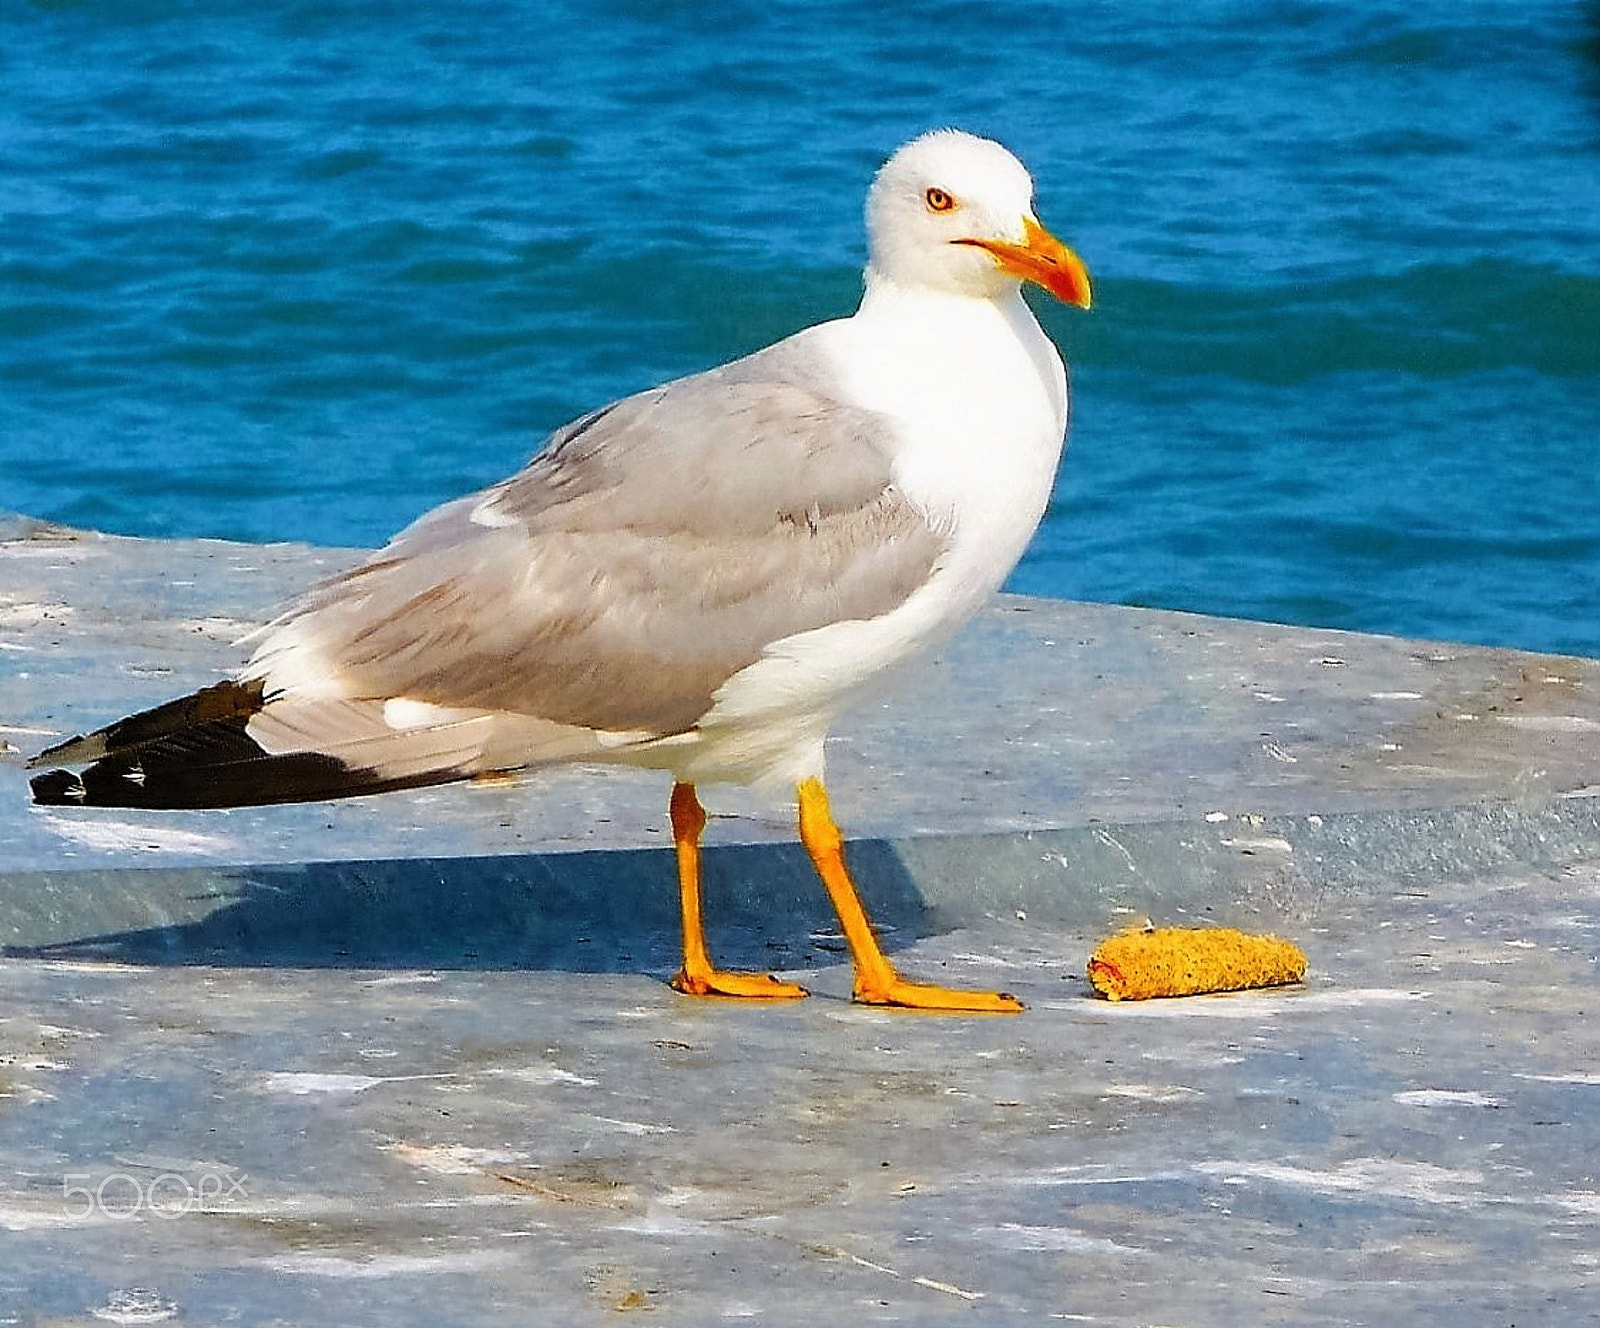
[953, 213]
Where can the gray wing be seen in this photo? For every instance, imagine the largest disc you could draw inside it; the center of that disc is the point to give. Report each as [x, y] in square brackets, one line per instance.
[651, 551]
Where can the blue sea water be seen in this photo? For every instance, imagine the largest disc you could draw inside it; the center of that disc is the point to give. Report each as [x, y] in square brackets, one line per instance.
[303, 268]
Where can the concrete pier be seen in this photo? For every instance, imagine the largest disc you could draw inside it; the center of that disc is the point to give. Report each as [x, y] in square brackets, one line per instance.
[411, 1059]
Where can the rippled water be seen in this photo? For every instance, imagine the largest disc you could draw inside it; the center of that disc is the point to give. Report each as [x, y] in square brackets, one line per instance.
[301, 270]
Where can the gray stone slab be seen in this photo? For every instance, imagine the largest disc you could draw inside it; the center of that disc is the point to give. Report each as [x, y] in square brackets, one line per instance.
[410, 1059]
[1044, 715]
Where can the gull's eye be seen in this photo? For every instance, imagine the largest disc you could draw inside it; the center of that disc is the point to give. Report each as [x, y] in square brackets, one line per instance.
[938, 201]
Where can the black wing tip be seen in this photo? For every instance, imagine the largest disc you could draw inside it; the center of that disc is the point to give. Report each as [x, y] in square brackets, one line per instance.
[197, 753]
[221, 702]
[164, 782]
[62, 751]
[58, 788]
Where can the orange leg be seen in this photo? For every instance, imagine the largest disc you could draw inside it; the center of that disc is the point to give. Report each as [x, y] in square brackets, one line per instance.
[876, 981]
[697, 977]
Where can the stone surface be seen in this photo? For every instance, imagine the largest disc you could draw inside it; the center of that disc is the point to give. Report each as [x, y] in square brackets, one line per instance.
[411, 1059]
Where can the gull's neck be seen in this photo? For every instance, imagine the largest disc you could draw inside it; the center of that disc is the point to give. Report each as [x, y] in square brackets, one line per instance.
[942, 330]
[882, 292]
[921, 312]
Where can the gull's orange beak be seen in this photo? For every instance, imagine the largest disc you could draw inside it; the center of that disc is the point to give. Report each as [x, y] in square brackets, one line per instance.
[1043, 260]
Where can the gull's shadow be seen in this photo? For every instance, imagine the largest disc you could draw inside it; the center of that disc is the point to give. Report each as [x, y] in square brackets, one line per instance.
[609, 911]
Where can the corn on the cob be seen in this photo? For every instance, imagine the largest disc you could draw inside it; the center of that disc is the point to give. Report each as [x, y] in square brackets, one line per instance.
[1186, 961]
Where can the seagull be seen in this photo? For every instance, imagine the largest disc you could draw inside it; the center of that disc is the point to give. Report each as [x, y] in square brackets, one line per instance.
[696, 579]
